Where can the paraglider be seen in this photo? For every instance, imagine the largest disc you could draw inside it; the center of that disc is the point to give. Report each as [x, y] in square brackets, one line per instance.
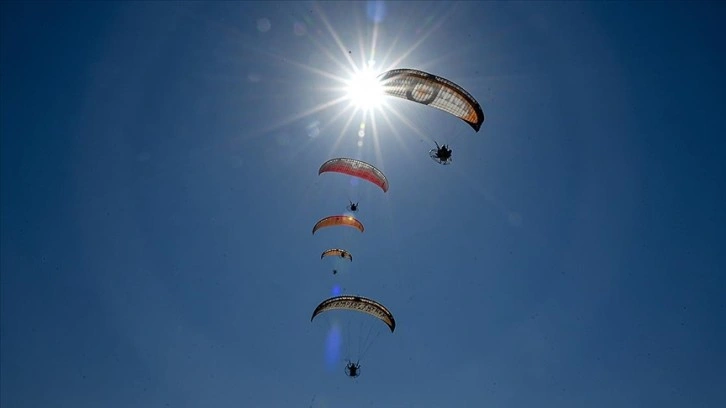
[441, 155]
[338, 220]
[356, 168]
[428, 89]
[352, 206]
[369, 328]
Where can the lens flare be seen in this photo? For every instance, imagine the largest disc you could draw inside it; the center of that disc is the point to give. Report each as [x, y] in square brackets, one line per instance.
[333, 342]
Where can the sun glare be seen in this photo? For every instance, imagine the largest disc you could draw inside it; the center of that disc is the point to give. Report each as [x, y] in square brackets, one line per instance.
[348, 76]
[364, 90]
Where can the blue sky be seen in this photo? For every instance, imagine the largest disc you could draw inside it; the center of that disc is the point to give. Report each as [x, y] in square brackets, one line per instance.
[159, 184]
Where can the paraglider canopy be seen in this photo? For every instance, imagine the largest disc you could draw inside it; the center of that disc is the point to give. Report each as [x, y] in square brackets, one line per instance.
[338, 220]
[358, 304]
[337, 252]
[428, 89]
[356, 168]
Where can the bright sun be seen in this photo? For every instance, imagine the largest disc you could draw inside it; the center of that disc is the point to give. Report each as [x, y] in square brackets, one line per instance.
[364, 90]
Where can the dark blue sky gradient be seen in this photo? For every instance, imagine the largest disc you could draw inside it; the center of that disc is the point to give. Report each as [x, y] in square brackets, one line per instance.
[159, 185]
